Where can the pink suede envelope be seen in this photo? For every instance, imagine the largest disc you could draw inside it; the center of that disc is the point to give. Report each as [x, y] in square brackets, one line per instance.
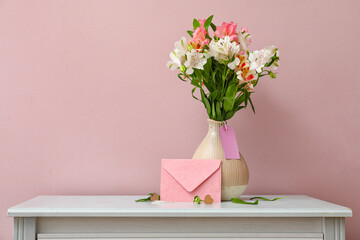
[183, 179]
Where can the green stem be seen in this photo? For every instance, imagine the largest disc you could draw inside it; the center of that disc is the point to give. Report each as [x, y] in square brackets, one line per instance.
[266, 199]
[239, 201]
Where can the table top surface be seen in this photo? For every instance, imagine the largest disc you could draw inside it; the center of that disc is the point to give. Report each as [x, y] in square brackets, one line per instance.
[125, 206]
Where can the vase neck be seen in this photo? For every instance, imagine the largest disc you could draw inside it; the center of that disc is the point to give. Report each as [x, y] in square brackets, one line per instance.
[211, 146]
[214, 126]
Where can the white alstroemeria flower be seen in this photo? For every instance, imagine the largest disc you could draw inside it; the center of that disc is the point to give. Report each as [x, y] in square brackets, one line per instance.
[246, 75]
[244, 39]
[239, 75]
[232, 65]
[177, 56]
[259, 58]
[223, 50]
[194, 60]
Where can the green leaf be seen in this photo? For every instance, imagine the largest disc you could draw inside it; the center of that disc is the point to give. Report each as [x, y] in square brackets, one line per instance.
[198, 73]
[208, 66]
[228, 104]
[266, 199]
[143, 200]
[239, 201]
[195, 82]
[229, 98]
[247, 94]
[252, 106]
[213, 26]
[239, 99]
[208, 22]
[192, 93]
[232, 113]
[179, 76]
[213, 95]
[146, 199]
[218, 111]
[213, 110]
[205, 102]
[229, 115]
[197, 200]
[196, 24]
[190, 33]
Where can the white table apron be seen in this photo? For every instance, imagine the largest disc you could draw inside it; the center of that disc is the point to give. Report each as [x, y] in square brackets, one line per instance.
[295, 217]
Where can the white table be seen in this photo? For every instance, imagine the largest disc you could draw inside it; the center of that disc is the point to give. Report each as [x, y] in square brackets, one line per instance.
[295, 217]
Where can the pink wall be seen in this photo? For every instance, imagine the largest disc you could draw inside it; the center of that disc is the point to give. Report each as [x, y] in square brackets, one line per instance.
[87, 105]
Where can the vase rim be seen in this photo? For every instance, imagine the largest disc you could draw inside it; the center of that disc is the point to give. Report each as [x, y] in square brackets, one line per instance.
[214, 121]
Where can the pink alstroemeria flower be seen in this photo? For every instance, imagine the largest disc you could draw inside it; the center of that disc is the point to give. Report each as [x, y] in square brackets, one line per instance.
[199, 38]
[227, 29]
[202, 22]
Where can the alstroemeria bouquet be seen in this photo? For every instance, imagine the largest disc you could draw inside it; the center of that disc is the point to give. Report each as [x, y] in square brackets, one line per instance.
[221, 66]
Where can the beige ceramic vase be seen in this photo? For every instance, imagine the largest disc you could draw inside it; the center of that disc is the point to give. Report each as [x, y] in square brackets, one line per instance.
[235, 173]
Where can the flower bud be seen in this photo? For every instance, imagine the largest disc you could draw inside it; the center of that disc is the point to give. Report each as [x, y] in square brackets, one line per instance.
[182, 68]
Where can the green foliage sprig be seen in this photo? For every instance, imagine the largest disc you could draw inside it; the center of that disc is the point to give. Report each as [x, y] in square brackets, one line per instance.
[256, 202]
[150, 198]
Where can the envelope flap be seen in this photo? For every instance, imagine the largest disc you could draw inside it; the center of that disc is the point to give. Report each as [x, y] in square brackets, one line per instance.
[190, 173]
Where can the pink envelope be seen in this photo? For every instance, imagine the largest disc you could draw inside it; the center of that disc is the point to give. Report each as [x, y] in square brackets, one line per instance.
[183, 179]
